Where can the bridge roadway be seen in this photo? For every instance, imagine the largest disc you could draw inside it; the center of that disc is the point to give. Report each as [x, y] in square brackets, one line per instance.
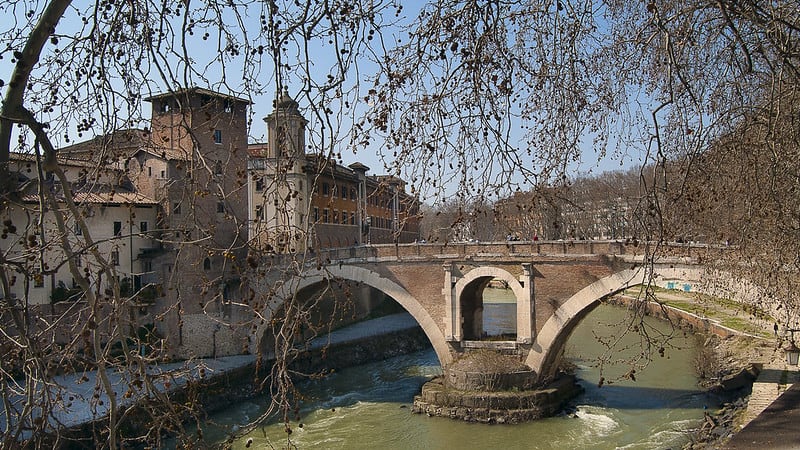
[555, 283]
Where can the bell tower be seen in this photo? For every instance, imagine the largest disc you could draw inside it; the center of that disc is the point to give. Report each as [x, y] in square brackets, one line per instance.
[286, 129]
[281, 206]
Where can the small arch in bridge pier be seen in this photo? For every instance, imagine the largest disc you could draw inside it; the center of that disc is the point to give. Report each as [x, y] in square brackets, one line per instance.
[467, 303]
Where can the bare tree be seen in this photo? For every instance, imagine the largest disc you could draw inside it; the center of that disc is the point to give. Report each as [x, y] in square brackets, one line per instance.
[74, 138]
[488, 95]
[482, 97]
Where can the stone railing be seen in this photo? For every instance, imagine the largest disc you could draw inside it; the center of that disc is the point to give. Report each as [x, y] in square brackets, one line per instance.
[510, 249]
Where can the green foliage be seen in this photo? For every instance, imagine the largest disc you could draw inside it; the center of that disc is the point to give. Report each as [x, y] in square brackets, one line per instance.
[148, 294]
[61, 293]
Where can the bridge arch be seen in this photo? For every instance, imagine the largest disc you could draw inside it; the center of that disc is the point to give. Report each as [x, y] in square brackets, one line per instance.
[374, 280]
[550, 341]
[481, 275]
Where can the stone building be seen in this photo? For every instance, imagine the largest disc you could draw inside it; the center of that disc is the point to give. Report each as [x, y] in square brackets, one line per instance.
[166, 206]
[118, 218]
[302, 200]
[174, 208]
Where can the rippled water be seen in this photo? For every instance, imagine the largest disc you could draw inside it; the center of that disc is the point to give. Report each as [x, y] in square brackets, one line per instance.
[369, 406]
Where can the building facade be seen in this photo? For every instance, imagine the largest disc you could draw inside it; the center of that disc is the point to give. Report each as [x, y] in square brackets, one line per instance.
[303, 200]
[172, 211]
[115, 224]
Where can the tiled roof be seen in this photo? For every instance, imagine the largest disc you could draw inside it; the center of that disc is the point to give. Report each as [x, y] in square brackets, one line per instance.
[105, 195]
[197, 90]
[258, 150]
[120, 142]
[114, 198]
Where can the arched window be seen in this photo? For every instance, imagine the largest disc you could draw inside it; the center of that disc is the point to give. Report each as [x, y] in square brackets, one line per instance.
[206, 264]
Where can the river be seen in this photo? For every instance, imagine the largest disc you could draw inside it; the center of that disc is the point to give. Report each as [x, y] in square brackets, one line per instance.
[368, 407]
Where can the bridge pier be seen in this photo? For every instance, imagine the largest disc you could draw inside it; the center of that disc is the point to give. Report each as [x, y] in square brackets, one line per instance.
[491, 387]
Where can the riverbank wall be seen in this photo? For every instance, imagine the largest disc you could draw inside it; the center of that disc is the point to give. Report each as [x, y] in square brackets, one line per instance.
[682, 319]
[203, 386]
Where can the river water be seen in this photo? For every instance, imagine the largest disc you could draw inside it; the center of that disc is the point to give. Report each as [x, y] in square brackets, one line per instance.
[368, 407]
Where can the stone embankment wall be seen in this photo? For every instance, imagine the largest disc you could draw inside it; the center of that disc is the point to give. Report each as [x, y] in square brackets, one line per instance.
[682, 319]
[216, 391]
[362, 351]
[229, 388]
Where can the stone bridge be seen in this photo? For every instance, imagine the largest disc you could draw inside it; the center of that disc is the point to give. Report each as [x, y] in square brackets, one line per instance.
[555, 284]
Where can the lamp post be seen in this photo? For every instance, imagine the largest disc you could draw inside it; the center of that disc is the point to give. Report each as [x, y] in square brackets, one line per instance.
[791, 350]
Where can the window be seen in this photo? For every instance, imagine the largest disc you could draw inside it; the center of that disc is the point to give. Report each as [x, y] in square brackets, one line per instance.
[343, 192]
[344, 217]
[325, 215]
[280, 144]
[143, 226]
[352, 194]
[147, 266]
[259, 184]
[149, 171]
[117, 228]
[78, 261]
[352, 218]
[335, 216]
[326, 189]
[220, 207]
[227, 106]
[260, 212]
[115, 257]
[218, 136]
[163, 174]
[78, 230]
[206, 264]
[218, 168]
[316, 214]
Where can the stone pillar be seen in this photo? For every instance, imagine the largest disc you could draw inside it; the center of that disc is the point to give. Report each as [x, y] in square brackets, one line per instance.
[525, 307]
[452, 318]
